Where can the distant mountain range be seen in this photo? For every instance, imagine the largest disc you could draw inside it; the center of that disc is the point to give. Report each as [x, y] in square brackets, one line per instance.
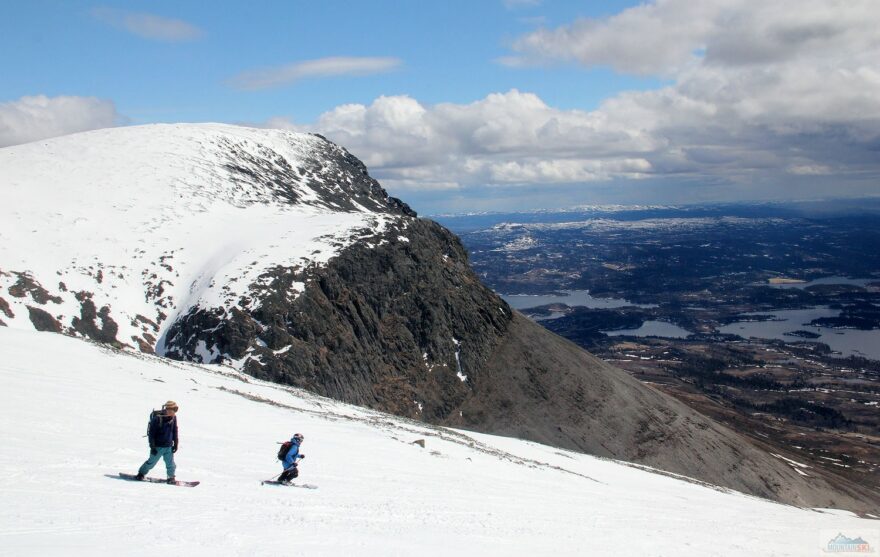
[829, 208]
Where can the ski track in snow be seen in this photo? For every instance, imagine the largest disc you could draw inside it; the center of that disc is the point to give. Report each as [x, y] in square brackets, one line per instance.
[74, 411]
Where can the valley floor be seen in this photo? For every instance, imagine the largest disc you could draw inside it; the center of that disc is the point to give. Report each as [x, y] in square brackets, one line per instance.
[75, 412]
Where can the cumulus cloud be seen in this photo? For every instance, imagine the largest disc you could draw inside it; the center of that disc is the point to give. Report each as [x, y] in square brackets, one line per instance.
[506, 138]
[647, 39]
[149, 26]
[266, 78]
[666, 36]
[768, 91]
[38, 117]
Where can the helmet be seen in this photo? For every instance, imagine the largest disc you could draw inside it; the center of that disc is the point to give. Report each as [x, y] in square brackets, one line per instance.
[299, 437]
[170, 405]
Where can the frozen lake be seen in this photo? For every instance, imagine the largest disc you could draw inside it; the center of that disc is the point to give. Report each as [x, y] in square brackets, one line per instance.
[652, 328]
[849, 342]
[571, 298]
[826, 280]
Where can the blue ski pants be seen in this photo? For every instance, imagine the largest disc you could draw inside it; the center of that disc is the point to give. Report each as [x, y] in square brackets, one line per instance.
[161, 452]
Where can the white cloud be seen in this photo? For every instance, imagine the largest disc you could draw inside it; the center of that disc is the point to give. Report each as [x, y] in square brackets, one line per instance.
[266, 78]
[809, 170]
[149, 26]
[647, 39]
[506, 138]
[758, 92]
[38, 117]
[666, 36]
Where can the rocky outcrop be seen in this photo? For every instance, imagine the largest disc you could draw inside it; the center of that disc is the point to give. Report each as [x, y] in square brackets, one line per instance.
[351, 188]
[43, 320]
[86, 324]
[401, 324]
[397, 322]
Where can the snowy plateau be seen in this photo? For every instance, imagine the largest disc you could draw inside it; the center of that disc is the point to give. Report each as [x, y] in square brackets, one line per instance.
[153, 221]
[75, 412]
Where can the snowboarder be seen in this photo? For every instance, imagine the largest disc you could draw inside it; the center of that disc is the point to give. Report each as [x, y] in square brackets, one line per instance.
[289, 463]
[162, 434]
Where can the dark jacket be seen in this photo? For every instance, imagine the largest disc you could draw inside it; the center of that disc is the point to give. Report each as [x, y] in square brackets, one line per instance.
[162, 431]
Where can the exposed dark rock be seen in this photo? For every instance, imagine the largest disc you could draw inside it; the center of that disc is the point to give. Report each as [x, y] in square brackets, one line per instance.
[27, 285]
[143, 345]
[351, 187]
[140, 319]
[4, 307]
[377, 327]
[86, 324]
[43, 320]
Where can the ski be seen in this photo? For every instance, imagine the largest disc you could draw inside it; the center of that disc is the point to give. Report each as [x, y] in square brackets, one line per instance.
[133, 478]
[276, 482]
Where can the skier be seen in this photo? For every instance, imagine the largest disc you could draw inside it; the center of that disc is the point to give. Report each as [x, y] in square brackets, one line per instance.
[162, 434]
[289, 463]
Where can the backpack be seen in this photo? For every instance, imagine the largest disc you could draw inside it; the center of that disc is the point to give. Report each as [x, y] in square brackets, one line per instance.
[285, 448]
[150, 421]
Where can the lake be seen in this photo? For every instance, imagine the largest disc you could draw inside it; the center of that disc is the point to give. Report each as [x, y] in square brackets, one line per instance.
[571, 298]
[652, 328]
[849, 342]
[826, 280]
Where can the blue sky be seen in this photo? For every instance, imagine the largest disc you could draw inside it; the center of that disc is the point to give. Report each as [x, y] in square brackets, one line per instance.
[446, 51]
[483, 104]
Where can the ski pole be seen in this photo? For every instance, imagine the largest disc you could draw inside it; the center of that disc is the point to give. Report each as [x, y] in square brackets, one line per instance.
[283, 471]
[277, 475]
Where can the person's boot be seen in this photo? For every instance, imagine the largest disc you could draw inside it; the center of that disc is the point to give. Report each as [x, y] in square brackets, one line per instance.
[139, 477]
[171, 480]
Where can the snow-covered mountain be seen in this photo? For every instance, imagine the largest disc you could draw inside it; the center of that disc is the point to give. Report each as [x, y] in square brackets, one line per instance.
[75, 412]
[113, 234]
[277, 254]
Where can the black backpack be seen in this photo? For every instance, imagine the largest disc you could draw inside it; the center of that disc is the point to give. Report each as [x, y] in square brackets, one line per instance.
[153, 415]
[285, 448]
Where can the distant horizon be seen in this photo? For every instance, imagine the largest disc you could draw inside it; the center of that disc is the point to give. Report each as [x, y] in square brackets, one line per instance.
[620, 207]
[570, 197]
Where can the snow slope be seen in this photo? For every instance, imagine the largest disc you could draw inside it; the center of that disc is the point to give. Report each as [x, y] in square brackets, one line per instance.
[150, 221]
[75, 411]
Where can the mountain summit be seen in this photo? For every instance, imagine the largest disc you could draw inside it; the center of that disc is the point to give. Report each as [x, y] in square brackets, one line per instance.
[120, 230]
[276, 253]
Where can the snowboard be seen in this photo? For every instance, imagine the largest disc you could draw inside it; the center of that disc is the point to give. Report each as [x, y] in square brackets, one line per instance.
[276, 482]
[133, 478]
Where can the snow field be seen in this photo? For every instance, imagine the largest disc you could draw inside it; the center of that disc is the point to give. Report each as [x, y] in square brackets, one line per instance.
[75, 411]
[152, 221]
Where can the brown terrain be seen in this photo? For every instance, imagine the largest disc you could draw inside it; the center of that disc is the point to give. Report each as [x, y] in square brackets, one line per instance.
[850, 450]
